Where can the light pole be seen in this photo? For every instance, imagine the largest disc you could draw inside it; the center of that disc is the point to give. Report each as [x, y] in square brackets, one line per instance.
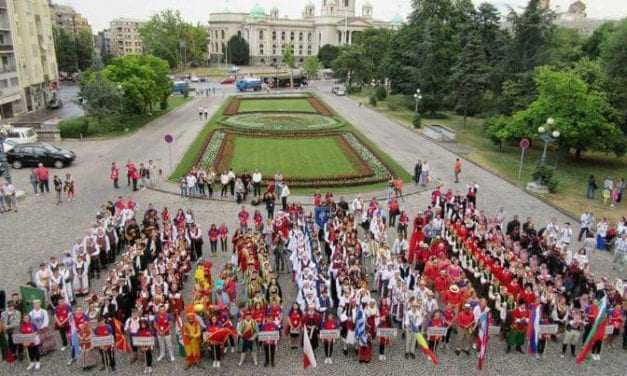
[549, 136]
[417, 97]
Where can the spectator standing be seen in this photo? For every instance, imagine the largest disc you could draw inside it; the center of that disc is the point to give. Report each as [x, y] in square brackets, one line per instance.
[231, 175]
[592, 186]
[602, 228]
[457, 169]
[115, 175]
[620, 253]
[191, 184]
[201, 112]
[3, 207]
[417, 172]
[69, 186]
[257, 183]
[285, 193]
[585, 221]
[9, 196]
[608, 185]
[42, 178]
[58, 188]
[224, 182]
[34, 181]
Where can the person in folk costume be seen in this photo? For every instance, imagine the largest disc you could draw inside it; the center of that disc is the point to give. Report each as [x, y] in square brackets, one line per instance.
[107, 355]
[269, 346]
[616, 320]
[131, 327]
[311, 323]
[42, 279]
[449, 316]
[364, 338]
[574, 326]
[102, 241]
[215, 347]
[62, 313]
[41, 320]
[294, 325]
[195, 236]
[465, 325]
[544, 320]
[27, 327]
[146, 331]
[330, 323]
[84, 340]
[520, 318]
[592, 313]
[163, 327]
[114, 241]
[247, 330]
[384, 321]
[437, 321]
[77, 319]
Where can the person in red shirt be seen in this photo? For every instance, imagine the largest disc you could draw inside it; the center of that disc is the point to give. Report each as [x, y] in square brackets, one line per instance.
[294, 325]
[393, 211]
[450, 320]
[385, 321]
[224, 237]
[62, 320]
[145, 331]
[520, 319]
[27, 327]
[42, 178]
[243, 220]
[441, 283]
[466, 326]
[213, 235]
[453, 296]
[437, 321]
[115, 175]
[329, 324]
[403, 222]
[216, 347]
[258, 219]
[106, 353]
[317, 199]
[163, 326]
[616, 321]
[528, 295]
[269, 346]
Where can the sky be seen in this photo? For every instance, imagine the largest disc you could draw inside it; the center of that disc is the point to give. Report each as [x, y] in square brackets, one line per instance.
[100, 12]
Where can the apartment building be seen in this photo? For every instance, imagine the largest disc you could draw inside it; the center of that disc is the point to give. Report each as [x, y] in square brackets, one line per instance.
[66, 18]
[124, 38]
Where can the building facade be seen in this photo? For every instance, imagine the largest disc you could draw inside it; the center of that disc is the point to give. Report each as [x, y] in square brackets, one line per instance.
[336, 24]
[124, 38]
[28, 75]
[66, 18]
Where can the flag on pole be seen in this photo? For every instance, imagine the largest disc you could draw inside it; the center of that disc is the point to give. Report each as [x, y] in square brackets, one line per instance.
[597, 332]
[425, 348]
[484, 336]
[360, 328]
[533, 329]
[309, 358]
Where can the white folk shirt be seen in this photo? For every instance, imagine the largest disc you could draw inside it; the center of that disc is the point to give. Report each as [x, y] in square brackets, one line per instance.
[257, 177]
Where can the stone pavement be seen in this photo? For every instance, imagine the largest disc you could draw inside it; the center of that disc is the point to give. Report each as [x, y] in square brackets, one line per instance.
[41, 229]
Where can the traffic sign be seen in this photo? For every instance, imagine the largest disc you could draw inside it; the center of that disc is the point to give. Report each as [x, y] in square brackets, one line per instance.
[524, 143]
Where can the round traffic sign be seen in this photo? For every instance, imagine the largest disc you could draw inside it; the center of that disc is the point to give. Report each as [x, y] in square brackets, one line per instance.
[524, 143]
[169, 138]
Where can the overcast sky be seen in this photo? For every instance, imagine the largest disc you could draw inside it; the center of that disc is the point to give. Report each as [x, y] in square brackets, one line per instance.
[100, 12]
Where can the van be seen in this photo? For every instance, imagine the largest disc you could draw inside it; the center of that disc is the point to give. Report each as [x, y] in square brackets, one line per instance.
[21, 135]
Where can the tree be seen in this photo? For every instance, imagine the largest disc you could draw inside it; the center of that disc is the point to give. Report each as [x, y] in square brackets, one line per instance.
[289, 60]
[374, 45]
[470, 76]
[100, 96]
[565, 47]
[592, 45]
[311, 66]
[143, 80]
[326, 55]
[238, 51]
[65, 49]
[167, 36]
[614, 61]
[348, 65]
[579, 114]
[84, 50]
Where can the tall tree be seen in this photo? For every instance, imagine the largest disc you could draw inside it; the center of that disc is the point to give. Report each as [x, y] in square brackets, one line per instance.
[101, 96]
[167, 36]
[565, 47]
[238, 51]
[65, 48]
[469, 76]
[614, 60]
[374, 44]
[84, 50]
[494, 41]
[592, 45]
[328, 53]
[348, 65]
[289, 60]
[311, 66]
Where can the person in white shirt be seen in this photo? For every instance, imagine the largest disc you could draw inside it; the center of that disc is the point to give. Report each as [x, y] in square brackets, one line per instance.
[585, 221]
[191, 184]
[602, 228]
[231, 175]
[224, 183]
[566, 235]
[400, 246]
[257, 183]
[620, 253]
[285, 192]
[411, 324]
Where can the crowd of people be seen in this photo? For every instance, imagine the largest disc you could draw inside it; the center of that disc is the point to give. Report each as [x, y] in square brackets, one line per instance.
[138, 176]
[364, 273]
[612, 190]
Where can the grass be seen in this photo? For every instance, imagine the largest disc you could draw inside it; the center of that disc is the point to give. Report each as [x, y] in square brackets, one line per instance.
[572, 173]
[115, 125]
[275, 105]
[308, 158]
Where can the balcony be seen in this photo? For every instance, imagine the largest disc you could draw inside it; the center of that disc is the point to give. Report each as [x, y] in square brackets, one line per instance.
[6, 48]
[3, 4]
[7, 69]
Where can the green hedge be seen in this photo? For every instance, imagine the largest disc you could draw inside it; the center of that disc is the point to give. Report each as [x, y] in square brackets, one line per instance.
[74, 127]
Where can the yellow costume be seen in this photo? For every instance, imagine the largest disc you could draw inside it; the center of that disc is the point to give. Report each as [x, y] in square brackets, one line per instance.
[191, 340]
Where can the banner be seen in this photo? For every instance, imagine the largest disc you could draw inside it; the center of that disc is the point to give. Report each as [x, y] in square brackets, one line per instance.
[29, 294]
[548, 329]
[330, 334]
[102, 341]
[143, 341]
[25, 339]
[268, 336]
[494, 330]
[387, 332]
[436, 331]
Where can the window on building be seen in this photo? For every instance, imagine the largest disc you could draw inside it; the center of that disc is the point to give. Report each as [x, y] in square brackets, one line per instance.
[300, 36]
[309, 37]
[300, 50]
[239, 34]
[292, 36]
[273, 35]
[263, 61]
[274, 49]
[339, 37]
[261, 49]
[345, 3]
[309, 50]
[4, 84]
[260, 34]
[222, 34]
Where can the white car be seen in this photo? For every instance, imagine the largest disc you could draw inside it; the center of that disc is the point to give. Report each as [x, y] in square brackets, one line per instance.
[8, 145]
[194, 79]
[21, 135]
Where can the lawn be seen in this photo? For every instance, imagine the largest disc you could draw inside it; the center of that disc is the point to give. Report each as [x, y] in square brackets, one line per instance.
[475, 145]
[294, 157]
[275, 105]
[115, 124]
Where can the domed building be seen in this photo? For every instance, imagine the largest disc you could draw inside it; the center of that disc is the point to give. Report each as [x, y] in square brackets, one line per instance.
[575, 17]
[336, 24]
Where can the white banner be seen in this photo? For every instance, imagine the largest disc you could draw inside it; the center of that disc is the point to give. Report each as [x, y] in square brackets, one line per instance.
[25, 339]
[330, 334]
[102, 341]
[143, 341]
[387, 332]
[268, 336]
[436, 331]
[548, 329]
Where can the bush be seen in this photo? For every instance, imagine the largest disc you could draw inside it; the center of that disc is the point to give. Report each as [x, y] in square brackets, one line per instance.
[353, 89]
[417, 121]
[380, 93]
[373, 101]
[552, 184]
[163, 105]
[399, 102]
[543, 175]
[74, 127]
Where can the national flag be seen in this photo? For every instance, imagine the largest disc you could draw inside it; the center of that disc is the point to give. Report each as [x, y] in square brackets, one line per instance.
[121, 344]
[484, 336]
[360, 328]
[533, 329]
[597, 331]
[309, 358]
[425, 348]
[221, 335]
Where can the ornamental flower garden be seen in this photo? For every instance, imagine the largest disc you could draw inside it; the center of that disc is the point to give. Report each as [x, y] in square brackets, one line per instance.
[294, 134]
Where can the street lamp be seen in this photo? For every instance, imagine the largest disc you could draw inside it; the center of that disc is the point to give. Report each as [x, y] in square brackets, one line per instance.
[549, 136]
[417, 97]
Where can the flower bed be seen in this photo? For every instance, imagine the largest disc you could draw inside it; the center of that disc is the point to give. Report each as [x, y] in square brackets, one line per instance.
[213, 149]
[320, 107]
[368, 156]
[278, 122]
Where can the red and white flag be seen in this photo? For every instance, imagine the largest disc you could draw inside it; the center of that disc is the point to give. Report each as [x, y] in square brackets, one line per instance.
[309, 358]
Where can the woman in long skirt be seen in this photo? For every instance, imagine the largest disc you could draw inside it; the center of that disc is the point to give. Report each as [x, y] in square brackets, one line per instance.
[424, 174]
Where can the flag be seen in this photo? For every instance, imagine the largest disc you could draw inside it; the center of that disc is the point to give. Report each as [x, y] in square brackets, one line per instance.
[533, 329]
[484, 323]
[221, 335]
[309, 358]
[597, 332]
[121, 344]
[425, 348]
[360, 328]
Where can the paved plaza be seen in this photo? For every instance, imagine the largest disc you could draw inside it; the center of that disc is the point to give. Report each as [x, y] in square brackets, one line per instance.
[41, 229]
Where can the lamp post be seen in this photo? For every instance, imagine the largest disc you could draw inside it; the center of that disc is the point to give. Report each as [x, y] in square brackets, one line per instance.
[417, 97]
[549, 136]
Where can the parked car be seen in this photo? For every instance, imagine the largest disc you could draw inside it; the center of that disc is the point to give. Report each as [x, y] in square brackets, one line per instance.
[21, 135]
[228, 81]
[32, 154]
[338, 90]
[8, 145]
[203, 79]
[194, 79]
